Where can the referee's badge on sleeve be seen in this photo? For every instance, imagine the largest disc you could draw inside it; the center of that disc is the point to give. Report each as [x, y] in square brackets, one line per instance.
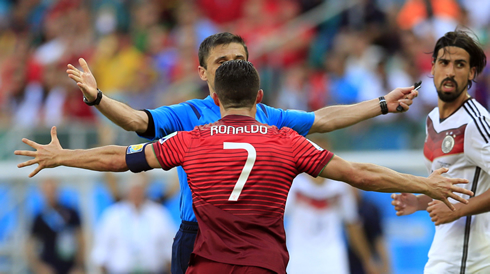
[135, 148]
[162, 140]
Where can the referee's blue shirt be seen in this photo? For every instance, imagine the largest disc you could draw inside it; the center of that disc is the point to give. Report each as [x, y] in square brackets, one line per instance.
[185, 116]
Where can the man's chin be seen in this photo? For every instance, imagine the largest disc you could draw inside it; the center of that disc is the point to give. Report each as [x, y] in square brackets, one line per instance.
[447, 97]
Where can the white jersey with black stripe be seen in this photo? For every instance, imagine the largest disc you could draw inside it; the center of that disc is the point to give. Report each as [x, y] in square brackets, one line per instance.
[461, 143]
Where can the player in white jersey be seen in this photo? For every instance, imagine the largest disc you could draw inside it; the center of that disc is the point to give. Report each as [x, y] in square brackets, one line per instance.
[458, 138]
[317, 211]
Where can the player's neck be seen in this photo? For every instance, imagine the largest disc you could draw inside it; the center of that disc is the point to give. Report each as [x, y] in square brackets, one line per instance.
[448, 108]
[239, 111]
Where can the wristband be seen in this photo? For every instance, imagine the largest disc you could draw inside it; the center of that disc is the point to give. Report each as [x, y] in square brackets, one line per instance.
[383, 105]
[96, 101]
[136, 159]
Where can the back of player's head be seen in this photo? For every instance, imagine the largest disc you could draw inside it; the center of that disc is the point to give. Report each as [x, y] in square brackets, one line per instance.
[237, 83]
[223, 38]
[463, 40]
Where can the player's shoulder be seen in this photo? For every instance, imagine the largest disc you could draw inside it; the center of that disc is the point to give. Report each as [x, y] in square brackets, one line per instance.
[474, 109]
[477, 120]
[286, 132]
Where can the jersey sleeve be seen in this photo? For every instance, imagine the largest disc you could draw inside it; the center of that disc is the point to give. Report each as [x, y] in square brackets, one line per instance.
[299, 121]
[171, 149]
[309, 157]
[168, 119]
[477, 143]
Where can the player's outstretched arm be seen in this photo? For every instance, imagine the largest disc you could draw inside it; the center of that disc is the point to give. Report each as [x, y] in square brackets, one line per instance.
[106, 158]
[121, 114]
[336, 117]
[476, 205]
[377, 178]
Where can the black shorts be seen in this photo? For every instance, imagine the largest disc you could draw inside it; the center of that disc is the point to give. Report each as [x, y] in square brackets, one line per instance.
[183, 246]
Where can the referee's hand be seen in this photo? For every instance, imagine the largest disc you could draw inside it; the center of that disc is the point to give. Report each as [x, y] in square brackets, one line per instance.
[45, 156]
[85, 79]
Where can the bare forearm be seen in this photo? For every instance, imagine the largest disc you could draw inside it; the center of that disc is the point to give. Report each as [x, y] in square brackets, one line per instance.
[123, 115]
[336, 117]
[381, 179]
[476, 205]
[107, 158]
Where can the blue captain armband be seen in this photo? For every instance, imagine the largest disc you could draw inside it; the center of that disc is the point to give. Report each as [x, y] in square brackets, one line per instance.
[136, 159]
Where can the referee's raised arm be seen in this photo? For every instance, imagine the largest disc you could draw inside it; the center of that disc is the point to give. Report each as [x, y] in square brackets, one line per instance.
[119, 113]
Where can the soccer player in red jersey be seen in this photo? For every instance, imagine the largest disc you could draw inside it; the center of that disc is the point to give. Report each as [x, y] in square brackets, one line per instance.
[240, 172]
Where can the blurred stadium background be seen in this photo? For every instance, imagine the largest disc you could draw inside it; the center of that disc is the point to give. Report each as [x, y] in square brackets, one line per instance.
[310, 53]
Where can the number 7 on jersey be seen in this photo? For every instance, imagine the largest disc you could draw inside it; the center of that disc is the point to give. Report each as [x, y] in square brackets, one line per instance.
[247, 168]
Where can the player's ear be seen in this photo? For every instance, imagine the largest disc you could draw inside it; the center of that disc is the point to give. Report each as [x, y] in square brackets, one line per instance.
[472, 74]
[260, 96]
[202, 73]
[215, 98]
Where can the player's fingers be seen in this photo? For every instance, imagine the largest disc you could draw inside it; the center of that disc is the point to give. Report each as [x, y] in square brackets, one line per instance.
[399, 208]
[30, 143]
[462, 190]
[54, 136]
[394, 196]
[458, 198]
[27, 163]
[397, 203]
[36, 171]
[441, 170]
[451, 206]
[29, 153]
[456, 181]
[84, 65]
[399, 213]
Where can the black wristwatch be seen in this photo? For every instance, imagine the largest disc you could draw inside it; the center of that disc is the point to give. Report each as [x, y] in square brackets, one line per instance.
[383, 105]
[96, 101]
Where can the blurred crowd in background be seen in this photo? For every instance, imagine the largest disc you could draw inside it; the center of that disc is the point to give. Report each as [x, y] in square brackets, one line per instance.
[144, 53]
[309, 53]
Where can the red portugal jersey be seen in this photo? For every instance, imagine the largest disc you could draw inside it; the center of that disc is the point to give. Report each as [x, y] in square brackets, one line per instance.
[240, 172]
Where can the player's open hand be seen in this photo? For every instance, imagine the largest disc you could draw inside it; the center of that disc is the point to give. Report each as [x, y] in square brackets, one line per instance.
[440, 213]
[441, 188]
[401, 96]
[84, 79]
[405, 203]
[44, 155]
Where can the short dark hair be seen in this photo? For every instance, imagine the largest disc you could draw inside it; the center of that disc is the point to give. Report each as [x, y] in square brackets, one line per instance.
[223, 38]
[462, 39]
[237, 83]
